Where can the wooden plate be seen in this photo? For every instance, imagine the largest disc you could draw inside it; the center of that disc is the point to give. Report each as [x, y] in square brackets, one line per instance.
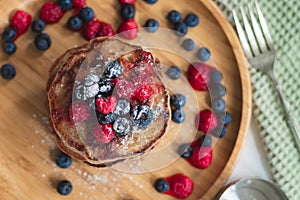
[27, 150]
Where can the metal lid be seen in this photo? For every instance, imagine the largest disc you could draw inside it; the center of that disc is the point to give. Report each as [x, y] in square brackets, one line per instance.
[252, 189]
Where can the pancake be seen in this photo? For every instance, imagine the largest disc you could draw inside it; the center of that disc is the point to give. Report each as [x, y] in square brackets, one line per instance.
[69, 73]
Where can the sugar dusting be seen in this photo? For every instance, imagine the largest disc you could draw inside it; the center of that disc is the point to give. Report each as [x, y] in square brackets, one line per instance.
[89, 183]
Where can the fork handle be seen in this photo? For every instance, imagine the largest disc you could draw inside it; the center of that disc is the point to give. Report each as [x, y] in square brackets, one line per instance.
[289, 114]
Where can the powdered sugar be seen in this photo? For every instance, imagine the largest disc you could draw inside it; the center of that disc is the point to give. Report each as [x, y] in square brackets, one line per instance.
[91, 79]
[89, 183]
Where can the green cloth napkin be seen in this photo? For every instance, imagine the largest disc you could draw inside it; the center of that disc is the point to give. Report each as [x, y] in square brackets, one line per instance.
[283, 19]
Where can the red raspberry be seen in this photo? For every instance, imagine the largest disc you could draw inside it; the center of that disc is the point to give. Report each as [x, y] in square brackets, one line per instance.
[181, 186]
[20, 21]
[105, 30]
[206, 121]
[143, 93]
[201, 157]
[115, 81]
[103, 133]
[91, 29]
[51, 13]
[78, 3]
[124, 89]
[199, 76]
[127, 2]
[106, 105]
[128, 29]
[79, 111]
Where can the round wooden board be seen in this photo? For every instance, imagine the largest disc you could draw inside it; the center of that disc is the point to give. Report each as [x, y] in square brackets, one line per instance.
[27, 150]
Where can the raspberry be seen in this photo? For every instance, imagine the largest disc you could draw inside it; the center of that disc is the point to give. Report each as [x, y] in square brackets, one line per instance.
[132, 2]
[79, 111]
[199, 76]
[105, 30]
[201, 157]
[91, 29]
[115, 81]
[51, 13]
[181, 186]
[124, 89]
[20, 21]
[206, 121]
[128, 29]
[78, 3]
[143, 93]
[103, 133]
[106, 105]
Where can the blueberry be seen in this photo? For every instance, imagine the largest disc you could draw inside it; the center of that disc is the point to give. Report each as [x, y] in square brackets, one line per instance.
[151, 25]
[218, 105]
[150, 1]
[217, 90]
[178, 116]
[86, 14]
[105, 118]
[65, 4]
[205, 140]
[63, 160]
[227, 119]
[185, 150]
[64, 187]
[223, 132]
[188, 44]
[122, 126]
[127, 11]
[8, 71]
[113, 70]
[141, 115]
[38, 25]
[215, 76]
[9, 34]
[174, 16]
[105, 87]
[191, 20]
[161, 185]
[42, 41]
[180, 28]
[122, 107]
[203, 54]
[173, 72]
[177, 101]
[9, 47]
[75, 23]
[219, 132]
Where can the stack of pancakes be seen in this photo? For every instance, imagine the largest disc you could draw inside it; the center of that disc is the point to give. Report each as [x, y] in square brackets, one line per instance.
[75, 138]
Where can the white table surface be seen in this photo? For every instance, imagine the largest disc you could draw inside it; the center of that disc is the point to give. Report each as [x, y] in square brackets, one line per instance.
[252, 160]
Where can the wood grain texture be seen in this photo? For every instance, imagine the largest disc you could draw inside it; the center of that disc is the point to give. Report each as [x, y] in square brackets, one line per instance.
[27, 150]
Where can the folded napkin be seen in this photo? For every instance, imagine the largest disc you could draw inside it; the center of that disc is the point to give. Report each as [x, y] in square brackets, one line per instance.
[283, 19]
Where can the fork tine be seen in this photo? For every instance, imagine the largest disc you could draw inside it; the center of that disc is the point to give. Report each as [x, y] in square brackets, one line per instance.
[242, 35]
[257, 30]
[264, 27]
[251, 37]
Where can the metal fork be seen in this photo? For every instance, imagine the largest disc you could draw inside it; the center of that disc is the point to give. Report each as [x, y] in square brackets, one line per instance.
[259, 50]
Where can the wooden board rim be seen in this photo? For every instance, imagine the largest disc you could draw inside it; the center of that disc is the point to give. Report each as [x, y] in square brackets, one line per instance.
[246, 93]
